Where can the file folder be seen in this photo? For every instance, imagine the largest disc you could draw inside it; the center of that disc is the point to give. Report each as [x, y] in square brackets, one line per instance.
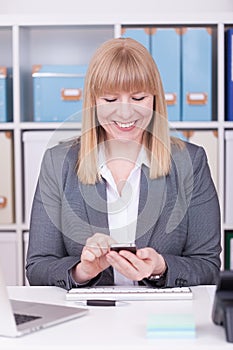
[208, 139]
[228, 177]
[6, 178]
[197, 74]
[142, 35]
[166, 51]
[229, 74]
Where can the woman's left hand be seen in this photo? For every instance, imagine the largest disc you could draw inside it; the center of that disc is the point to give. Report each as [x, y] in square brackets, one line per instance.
[144, 263]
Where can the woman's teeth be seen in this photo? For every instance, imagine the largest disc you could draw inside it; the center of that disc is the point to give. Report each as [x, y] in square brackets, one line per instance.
[125, 125]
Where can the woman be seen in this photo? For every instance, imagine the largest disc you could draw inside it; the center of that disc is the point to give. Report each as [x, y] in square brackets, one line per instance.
[126, 180]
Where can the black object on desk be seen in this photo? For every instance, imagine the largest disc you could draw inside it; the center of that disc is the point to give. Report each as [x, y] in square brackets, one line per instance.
[222, 313]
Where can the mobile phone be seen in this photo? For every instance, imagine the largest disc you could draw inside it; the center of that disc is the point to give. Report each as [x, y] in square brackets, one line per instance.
[131, 247]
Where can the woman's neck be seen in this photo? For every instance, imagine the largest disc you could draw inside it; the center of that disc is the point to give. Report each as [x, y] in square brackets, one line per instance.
[121, 159]
[121, 150]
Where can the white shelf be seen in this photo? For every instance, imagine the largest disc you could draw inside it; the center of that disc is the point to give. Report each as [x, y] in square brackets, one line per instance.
[39, 39]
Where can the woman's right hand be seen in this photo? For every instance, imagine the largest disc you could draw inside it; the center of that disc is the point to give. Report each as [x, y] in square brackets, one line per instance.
[93, 258]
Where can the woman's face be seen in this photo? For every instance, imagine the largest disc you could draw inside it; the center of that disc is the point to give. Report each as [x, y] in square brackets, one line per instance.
[124, 116]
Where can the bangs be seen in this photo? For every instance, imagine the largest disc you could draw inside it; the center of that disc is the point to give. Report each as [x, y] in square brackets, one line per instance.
[125, 71]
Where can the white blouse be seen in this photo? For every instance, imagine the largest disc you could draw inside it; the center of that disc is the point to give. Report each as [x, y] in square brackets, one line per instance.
[123, 209]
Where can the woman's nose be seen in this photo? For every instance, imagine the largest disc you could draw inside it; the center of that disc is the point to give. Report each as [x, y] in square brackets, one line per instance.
[124, 110]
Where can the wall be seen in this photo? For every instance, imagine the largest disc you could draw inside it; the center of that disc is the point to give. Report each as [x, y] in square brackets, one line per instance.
[118, 7]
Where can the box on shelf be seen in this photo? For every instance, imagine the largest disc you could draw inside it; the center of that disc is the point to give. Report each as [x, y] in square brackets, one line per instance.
[35, 143]
[9, 256]
[58, 92]
[6, 178]
[228, 177]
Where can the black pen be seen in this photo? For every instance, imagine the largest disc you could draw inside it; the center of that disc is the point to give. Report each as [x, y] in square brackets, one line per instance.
[101, 302]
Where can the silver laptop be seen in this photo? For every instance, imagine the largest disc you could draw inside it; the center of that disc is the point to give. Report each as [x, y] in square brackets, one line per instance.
[18, 317]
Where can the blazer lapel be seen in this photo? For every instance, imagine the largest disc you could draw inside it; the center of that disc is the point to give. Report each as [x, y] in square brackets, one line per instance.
[95, 201]
[151, 202]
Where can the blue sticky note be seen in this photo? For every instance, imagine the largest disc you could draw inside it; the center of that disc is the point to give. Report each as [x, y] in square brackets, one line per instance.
[166, 326]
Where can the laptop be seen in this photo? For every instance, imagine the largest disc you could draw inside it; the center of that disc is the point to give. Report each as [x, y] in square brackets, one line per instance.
[19, 317]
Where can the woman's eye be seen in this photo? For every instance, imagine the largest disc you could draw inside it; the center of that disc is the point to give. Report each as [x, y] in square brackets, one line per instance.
[138, 98]
[110, 99]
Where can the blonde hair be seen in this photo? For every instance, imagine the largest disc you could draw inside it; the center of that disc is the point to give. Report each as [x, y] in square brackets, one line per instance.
[123, 64]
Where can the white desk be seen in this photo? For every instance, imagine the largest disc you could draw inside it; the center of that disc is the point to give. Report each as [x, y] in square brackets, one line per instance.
[121, 327]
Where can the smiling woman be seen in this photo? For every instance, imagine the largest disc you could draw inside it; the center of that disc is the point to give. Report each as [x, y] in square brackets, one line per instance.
[124, 181]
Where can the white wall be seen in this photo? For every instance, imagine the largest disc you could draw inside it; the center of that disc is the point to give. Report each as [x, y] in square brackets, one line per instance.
[112, 6]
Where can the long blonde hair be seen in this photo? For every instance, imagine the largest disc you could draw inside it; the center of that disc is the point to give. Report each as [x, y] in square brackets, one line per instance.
[123, 65]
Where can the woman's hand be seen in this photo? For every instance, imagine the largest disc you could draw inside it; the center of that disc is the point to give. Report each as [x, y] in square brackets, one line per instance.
[93, 258]
[144, 263]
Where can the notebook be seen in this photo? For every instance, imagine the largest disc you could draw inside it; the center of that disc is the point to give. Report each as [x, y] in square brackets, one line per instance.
[19, 317]
[128, 293]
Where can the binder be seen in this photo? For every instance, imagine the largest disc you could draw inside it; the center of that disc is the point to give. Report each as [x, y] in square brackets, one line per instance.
[6, 178]
[142, 35]
[166, 51]
[228, 177]
[3, 94]
[208, 139]
[196, 74]
[229, 74]
[228, 249]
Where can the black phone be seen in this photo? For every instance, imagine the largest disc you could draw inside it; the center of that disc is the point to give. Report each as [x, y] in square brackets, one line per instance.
[222, 312]
[131, 247]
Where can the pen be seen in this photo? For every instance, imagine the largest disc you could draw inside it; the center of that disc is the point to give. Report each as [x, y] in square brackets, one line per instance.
[101, 302]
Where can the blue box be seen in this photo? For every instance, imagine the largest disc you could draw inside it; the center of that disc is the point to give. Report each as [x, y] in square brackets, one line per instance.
[4, 116]
[197, 74]
[142, 35]
[166, 51]
[57, 92]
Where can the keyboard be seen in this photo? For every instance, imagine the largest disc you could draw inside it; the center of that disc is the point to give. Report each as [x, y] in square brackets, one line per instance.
[20, 319]
[128, 293]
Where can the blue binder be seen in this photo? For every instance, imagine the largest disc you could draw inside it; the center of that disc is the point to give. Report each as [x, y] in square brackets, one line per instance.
[166, 51]
[229, 74]
[3, 94]
[142, 35]
[197, 74]
[57, 92]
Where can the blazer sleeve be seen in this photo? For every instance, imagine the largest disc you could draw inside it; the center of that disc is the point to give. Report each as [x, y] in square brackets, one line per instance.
[200, 259]
[47, 260]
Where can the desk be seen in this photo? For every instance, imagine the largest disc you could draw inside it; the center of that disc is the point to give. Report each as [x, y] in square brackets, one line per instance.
[121, 327]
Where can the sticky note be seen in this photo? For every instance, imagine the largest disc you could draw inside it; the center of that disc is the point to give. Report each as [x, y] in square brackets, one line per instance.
[165, 326]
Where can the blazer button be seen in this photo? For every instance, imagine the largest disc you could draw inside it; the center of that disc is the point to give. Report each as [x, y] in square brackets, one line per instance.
[177, 282]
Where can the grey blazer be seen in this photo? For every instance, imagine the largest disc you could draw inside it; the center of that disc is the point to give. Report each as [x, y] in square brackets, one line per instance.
[178, 215]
